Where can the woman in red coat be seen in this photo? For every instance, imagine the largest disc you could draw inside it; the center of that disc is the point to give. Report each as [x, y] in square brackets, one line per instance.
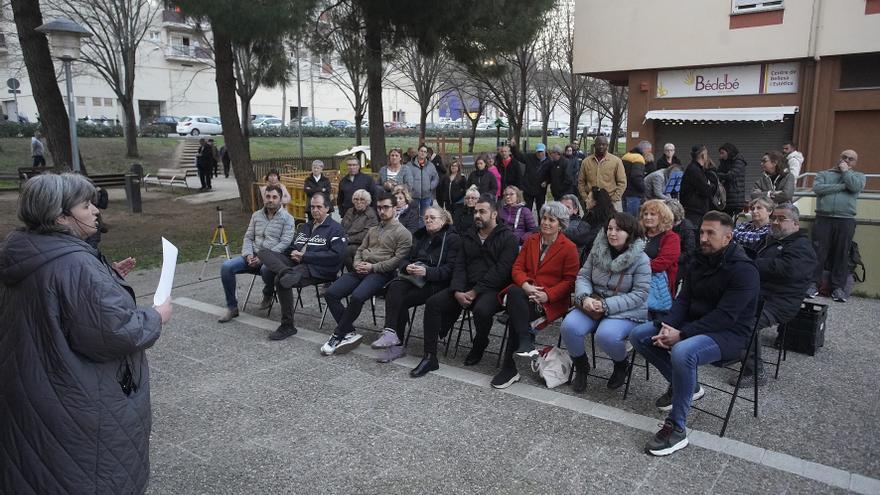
[662, 244]
[543, 279]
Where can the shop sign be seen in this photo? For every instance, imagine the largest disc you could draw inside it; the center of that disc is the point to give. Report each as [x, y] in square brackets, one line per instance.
[753, 79]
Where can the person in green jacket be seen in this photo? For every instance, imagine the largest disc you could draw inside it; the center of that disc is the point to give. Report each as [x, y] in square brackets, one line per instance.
[837, 190]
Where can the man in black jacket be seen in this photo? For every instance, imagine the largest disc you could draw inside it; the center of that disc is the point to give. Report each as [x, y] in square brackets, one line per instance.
[482, 268]
[711, 319]
[537, 168]
[559, 174]
[352, 182]
[511, 169]
[732, 172]
[785, 264]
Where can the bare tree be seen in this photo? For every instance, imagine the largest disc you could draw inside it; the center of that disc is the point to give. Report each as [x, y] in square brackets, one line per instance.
[258, 63]
[546, 94]
[507, 78]
[423, 78]
[118, 27]
[340, 34]
[611, 101]
[474, 99]
[572, 87]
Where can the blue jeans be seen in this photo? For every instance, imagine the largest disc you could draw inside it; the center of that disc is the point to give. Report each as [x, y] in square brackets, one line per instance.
[360, 288]
[610, 334]
[631, 205]
[678, 366]
[237, 265]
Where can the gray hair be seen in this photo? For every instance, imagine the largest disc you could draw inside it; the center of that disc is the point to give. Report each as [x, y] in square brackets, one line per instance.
[676, 208]
[362, 194]
[556, 149]
[318, 162]
[767, 203]
[792, 210]
[643, 146]
[46, 197]
[575, 201]
[668, 146]
[556, 210]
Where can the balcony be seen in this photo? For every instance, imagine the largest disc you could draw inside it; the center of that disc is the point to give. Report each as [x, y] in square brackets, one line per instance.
[175, 20]
[186, 53]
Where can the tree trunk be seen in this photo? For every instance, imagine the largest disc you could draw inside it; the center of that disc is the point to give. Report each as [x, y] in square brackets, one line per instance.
[423, 120]
[572, 121]
[358, 132]
[131, 144]
[245, 124]
[544, 124]
[373, 38]
[41, 73]
[235, 145]
[474, 124]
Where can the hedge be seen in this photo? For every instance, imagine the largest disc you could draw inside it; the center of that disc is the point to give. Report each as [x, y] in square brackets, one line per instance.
[13, 129]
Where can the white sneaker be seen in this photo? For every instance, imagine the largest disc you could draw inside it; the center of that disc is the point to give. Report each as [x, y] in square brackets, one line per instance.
[329, 348]
[386, 340]
[348, 343]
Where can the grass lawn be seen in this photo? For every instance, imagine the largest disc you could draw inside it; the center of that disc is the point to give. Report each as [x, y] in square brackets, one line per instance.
[107, 155]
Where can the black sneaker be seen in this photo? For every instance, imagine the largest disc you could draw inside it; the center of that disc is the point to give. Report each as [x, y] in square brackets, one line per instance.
[748, 379]
[505, 378]
[812, 291]
[664, 402]
[838, 295]
[474, 357]
[669, 439]
[283, 332]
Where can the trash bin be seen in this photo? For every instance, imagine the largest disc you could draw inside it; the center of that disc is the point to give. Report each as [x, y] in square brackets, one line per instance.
[133, 192]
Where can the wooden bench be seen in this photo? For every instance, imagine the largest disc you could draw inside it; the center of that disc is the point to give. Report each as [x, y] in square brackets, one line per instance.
[25, 173]
[170, 177]
[108, 180]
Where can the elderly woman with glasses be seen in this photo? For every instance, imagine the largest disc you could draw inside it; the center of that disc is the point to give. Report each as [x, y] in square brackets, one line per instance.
[426, 271]
[74, 377]
[543, 278]
[750, 235]
[464, 217]
[516, 214]
[356, 222]
[776, 183]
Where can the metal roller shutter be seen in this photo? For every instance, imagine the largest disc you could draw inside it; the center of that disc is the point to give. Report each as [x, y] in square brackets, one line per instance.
[753, 139]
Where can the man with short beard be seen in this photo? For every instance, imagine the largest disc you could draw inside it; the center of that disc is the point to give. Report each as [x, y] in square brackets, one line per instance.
[271, 227]
[785, 264]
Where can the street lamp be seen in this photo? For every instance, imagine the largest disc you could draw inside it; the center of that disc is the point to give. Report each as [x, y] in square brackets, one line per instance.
[65, 38]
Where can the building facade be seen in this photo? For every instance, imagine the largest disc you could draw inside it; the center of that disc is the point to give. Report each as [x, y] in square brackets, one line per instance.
[757, 73]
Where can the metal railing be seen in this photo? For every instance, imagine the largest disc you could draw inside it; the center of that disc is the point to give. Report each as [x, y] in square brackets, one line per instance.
[804, 186]
[187, 51]
[169, 15]
[262, 167]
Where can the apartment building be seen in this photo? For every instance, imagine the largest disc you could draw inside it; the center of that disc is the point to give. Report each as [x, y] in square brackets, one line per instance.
[756, 73]
[175, 76]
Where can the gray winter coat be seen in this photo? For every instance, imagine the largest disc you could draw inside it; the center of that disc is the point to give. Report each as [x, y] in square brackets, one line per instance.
[70, 325]
[655, 184]
[601, 274]
[424, 180]
[275, 234]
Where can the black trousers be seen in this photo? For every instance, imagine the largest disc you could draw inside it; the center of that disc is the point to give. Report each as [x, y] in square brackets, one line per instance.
[441, 311]
[767, 319]
[226, 164]
[277, 263]
[538, 200]
[400, 296]
[832, 240]
[520, 312]
[204, 176]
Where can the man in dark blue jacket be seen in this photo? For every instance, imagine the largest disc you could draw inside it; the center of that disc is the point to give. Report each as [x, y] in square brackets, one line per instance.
[315, 256]
[710, 320]
[785, 263]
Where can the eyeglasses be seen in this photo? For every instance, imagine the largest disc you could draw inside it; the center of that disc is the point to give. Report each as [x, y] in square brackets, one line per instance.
[777, 218]
[384, 207]
[848, 158]
[430, 217]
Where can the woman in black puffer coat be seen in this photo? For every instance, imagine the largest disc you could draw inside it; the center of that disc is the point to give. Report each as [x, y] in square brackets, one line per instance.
[732, 172]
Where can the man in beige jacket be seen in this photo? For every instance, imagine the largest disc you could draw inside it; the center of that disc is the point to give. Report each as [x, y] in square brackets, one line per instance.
[604, 170]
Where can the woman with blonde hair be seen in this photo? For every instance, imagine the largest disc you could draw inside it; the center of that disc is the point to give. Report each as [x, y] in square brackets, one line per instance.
[663, 247]
[515, 214]
[407, 212]
[450, 192]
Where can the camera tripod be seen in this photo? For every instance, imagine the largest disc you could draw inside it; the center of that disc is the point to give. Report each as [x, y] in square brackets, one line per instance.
[218, 239]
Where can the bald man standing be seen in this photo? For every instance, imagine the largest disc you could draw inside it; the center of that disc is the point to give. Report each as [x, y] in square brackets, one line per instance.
[836, 191]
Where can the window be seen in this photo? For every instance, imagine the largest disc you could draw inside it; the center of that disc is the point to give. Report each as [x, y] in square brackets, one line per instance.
[860, 71]
[108, 102]
[81, 100]
[96, 102]
[398, 116]
[326, 65]
[749, 6]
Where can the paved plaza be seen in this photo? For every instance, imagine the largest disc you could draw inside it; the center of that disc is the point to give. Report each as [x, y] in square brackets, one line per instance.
[236, 413]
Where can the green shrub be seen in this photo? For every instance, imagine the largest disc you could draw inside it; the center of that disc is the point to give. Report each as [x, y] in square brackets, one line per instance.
[154, 131]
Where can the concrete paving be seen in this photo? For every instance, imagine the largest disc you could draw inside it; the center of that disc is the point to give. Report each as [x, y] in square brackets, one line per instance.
[236, 413]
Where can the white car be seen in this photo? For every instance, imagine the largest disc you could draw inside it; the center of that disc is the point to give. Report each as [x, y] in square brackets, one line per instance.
[267, 122]
[195, 125]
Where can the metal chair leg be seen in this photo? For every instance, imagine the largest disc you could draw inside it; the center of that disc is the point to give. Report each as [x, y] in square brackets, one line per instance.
[318, 297]
[504, 341]
[248, 296]
[629, 374]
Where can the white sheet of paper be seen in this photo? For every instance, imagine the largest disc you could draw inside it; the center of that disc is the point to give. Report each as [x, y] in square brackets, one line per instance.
[166, 280]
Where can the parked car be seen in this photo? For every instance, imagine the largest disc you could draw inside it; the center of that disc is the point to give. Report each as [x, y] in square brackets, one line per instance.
[393, 125]
[341, 123]
[102, 121]
[195, 125]
[310, 122]
[267, 122]
[165, 121]
[260, 116]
